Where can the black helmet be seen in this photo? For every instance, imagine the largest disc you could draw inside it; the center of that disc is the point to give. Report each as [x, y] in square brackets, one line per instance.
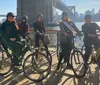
[10, 14]
[40, 15]
[25, 17]
[64, 14]
[87, 16]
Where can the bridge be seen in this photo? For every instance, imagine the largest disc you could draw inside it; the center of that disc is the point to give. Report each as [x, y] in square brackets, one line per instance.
[2, 15]
[63, 7]
[32, 8]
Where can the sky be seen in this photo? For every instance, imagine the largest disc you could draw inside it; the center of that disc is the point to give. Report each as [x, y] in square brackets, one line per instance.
[81, 5]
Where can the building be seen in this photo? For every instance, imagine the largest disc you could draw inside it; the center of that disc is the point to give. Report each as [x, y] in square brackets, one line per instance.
[76, 14]
[88, 12]
[82, 15]
[93, 11]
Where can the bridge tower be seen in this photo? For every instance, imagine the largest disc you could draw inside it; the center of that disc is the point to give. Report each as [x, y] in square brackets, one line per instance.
[32, 8]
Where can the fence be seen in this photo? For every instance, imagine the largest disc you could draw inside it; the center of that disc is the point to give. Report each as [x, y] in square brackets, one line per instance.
[54, 39]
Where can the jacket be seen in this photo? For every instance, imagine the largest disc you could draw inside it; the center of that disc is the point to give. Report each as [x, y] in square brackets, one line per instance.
[10, 30]
[39, 26]
[90, 29]
[24, 28]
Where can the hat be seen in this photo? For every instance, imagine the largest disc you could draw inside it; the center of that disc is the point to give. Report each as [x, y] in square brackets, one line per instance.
[10, 14]
[64, 14]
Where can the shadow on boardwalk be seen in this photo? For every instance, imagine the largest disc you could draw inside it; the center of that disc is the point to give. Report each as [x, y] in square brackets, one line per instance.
[63, 77]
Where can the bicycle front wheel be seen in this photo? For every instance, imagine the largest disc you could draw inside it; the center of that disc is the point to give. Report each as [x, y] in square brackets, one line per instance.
[5, 63]
[78, 65]
[36, 69]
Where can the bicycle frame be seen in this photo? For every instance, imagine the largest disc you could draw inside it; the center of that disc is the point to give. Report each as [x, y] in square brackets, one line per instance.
[75, 49]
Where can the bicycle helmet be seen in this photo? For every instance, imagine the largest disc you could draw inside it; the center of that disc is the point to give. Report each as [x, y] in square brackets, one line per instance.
[10, 14]
[64, 14]
[40, 15]
[25, 17]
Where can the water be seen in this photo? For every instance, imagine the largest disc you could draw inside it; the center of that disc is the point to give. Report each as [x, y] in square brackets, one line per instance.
[78, 25]
[53, 38]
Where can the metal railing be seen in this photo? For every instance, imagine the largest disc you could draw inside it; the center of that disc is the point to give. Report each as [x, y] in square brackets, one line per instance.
[54, 36]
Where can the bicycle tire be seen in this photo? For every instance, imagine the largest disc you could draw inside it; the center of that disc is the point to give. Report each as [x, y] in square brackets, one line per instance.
[35, 61]
[83, 49]
[34, 70]
[76, 55]
[4, 62]
[47, 53]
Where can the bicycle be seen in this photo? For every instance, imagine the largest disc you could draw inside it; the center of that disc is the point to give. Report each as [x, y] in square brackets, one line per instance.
[43, 48]
[40, 61]
[83, 49]
[7, 55]
[94, 58]
[76, 61]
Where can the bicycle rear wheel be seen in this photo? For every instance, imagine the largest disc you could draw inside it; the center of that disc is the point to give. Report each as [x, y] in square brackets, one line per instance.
[5, 62]
[83, 49]
[78, 65]
[34, 69]
[47, 53]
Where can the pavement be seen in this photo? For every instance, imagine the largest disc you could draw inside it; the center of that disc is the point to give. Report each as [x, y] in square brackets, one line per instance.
[63, 77]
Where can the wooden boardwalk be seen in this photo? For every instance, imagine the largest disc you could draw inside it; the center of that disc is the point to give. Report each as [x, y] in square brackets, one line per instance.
[63, 77]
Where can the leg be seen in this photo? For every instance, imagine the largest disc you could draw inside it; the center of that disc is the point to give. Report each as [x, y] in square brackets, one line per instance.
[36, 41]
[16, 61]
[88, 50]
[61, 55]
[68, 48]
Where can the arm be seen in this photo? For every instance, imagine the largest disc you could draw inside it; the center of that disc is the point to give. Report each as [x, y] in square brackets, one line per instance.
[2, 29]
[84, 30]
[96, 26]
[76, 29]
[43, 28]
[62, 30]
[34, 25]
[27, 29]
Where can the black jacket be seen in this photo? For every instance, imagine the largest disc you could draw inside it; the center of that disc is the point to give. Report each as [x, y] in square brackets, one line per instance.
[9, 29]
[89, 29]
[63, 28]
[39, 26]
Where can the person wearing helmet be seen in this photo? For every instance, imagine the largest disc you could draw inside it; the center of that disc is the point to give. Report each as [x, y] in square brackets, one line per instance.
[24, 27]
[68, 29]
[90, 36]
[10, 35]
[39, 30]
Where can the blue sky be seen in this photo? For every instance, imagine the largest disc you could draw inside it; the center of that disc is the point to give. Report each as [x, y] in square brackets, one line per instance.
[81, 5]
[7, 5]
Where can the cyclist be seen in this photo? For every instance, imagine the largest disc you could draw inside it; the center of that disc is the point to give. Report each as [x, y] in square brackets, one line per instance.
[39, 30]
[68, 31]
[90, 36]
[10, 34]
[24, 27]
